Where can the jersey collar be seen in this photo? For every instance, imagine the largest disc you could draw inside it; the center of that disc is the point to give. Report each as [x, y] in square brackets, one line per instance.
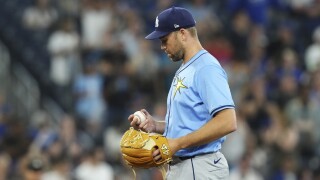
[193, 59]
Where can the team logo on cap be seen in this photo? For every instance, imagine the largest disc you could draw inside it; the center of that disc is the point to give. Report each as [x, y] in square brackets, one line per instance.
[176, 25]
[157, 22]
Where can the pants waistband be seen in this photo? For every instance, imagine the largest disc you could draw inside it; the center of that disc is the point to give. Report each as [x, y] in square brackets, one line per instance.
[189, 157]
[177, 159]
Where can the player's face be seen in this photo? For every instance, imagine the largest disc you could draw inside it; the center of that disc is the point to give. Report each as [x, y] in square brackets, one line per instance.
[172, 46]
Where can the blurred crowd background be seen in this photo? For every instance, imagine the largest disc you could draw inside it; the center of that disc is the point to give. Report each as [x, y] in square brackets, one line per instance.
[71, 71]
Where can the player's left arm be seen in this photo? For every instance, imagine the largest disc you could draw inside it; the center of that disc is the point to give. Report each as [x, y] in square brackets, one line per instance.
[223, 123]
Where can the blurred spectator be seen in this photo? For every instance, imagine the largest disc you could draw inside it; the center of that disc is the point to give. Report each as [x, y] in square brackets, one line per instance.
[290, 65]
[220, 46]
[16, 142]
[69, 7]
[89, 104]
[73, 140]
[33, 166]
[244, 170]
[96, 16]
[60, 169]
[238, 79]
[44, 133]
[315, 86]
[63, 44]
[312, 55]
[288, 75]
[4, 113]
[257, 10]
[239, 34]
[40, 16]
[300, 7]
[5, 162]
[281, 135]
[112, 137]
[144, 68]
[94, 166]
[200, 10]
[207, 21]
[118, 89]
[258, 61]
[254, 104]
[317, 174]
[209, 28]
[278, 140]
[283, 38]
[287, 90]
[303, 112]
[286, 168]
[129, 36]
[5, 107]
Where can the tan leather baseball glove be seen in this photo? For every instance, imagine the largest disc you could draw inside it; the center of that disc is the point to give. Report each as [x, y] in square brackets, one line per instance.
[137, 147]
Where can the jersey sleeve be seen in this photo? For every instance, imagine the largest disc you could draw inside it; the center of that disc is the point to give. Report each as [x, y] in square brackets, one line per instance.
[213, 88]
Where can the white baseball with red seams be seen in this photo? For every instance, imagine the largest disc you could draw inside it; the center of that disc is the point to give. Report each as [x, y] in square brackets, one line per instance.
[141, 116]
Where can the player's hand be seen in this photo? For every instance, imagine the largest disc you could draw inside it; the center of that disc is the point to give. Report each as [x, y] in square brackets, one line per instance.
[156, 155]
[173, 143]
[148, 125]
[134, 121]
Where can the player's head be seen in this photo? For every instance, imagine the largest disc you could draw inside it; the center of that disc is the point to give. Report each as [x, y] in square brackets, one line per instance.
[171, 27]
[171, 20]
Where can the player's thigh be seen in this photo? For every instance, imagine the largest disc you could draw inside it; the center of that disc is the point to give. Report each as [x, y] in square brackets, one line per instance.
[211, 166]
[182, 170]
[206, 167]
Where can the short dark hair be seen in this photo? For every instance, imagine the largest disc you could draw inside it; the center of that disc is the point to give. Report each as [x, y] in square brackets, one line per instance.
[193, 31]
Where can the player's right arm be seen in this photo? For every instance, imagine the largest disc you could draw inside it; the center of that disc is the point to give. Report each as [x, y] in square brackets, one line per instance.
[149, 125]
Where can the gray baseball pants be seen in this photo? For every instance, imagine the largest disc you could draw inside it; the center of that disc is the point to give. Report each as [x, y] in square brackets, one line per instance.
[211, 166]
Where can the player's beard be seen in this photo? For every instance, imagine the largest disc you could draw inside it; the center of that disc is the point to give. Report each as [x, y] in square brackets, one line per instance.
[178, 56]
[176, 53]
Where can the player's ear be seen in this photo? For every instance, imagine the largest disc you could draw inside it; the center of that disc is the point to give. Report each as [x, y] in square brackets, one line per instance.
[183, 33]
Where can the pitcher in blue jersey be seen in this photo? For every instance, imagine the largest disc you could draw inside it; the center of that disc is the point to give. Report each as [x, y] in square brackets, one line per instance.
[200, 108]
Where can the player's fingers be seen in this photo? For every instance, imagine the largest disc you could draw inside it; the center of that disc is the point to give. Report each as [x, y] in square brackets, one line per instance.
[156, 155]
[155, 152]
[157, 158]
[130, 118]
[145, 112]
[135, 122]
[143, 123]
[144, 126]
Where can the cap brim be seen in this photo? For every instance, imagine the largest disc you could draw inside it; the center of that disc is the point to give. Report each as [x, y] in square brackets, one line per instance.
[156, 35]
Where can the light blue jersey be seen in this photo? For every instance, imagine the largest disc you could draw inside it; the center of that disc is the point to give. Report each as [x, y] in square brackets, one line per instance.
[199, 90]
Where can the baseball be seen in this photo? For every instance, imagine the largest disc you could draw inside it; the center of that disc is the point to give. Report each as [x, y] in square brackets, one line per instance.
[141, 116]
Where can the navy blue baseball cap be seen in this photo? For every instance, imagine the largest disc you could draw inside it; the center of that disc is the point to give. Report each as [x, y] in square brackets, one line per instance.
[170, 20]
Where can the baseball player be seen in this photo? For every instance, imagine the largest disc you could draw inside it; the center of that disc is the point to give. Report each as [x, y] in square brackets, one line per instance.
[200, 108]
